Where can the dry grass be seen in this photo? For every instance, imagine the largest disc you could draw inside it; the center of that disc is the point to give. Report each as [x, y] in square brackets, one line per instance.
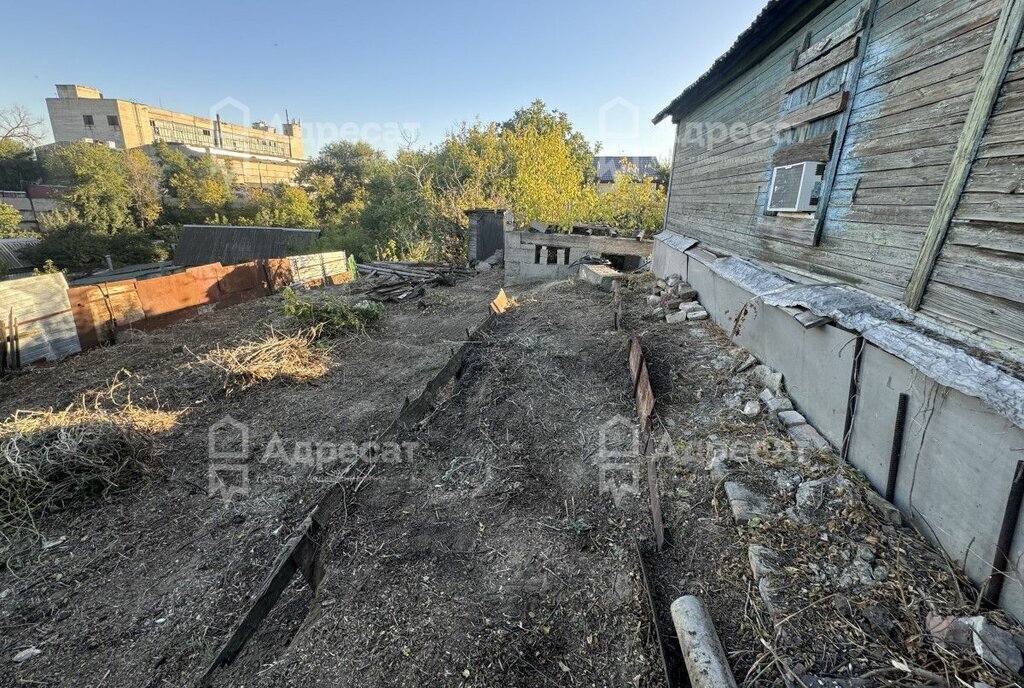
[295, 358]
[50, 458]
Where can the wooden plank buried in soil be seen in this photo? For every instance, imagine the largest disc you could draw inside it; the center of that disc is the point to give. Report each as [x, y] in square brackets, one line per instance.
[644, 395]
[662, 648]
[636, 359]
[303, 552]
[657, 520]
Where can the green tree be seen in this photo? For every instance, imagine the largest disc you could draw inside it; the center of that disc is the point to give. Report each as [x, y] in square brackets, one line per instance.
[143, 180]
[339, 175]
[197, 187]
[98, 190]
[632, 203]
[18, 167]
[79, 248]
[10, 219]
[278, 206]
[469, 169]
[540, 119]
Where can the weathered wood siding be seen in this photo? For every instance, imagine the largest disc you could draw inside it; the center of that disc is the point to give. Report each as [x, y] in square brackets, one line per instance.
[978, 279]
[919, 72]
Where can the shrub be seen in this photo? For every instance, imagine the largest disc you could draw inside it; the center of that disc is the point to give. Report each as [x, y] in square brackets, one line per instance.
[331, 315]
[77, 248]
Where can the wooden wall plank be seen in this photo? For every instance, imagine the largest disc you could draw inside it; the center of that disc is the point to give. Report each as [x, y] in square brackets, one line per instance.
[823, 108]
[843, 53]
[1004, 43]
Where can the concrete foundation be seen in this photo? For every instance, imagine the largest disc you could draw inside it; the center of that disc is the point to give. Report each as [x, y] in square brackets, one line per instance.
[958, 454]
[531, 256]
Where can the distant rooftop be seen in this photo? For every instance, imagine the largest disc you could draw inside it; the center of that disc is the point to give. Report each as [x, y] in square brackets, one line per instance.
[607, 165]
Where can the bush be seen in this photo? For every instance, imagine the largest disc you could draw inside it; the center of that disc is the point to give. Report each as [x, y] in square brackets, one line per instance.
[331, 315]
[77, 248]
[10, 219]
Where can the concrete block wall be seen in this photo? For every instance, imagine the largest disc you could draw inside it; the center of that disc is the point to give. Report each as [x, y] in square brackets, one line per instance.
[560, 254]
[959, 455]
[520, 265]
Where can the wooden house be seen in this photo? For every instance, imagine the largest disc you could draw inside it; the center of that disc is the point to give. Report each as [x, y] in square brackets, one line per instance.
[846, 195]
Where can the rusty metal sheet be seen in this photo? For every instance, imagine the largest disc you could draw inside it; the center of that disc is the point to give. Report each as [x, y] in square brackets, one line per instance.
[636, 359]
[207, 278]
[157, 322]
[93, 319]
[243, 278]
[169, 294]
[238, 297]
[278, 272]
[124, 302]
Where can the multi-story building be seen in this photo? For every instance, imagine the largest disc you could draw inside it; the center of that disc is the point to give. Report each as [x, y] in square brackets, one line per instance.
[255, 155]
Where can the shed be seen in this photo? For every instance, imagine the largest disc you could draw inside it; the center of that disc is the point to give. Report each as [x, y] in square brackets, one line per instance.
[487, 227]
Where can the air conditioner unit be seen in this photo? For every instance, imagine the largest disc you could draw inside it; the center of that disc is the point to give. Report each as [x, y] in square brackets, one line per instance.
[796, 188]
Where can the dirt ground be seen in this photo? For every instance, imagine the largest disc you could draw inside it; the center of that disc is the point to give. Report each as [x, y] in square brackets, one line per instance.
[497, 556]
[499, 548]
[140, 588]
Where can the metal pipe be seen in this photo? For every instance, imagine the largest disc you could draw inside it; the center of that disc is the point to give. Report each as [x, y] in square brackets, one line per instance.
[1006, 532]
[896, 453]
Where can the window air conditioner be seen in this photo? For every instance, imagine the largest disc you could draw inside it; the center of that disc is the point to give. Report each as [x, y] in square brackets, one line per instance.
[796, 188]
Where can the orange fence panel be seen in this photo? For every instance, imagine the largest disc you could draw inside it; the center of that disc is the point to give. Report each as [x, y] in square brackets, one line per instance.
[169, 299]
[207, 278]
[124, 302]
[93, 319]
[278, 273]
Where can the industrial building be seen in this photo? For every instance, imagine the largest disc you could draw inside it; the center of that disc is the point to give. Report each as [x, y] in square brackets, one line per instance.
[256, 155]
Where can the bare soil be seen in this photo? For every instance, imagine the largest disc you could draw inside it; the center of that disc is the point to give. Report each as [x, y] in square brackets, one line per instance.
[145, 583]
[500, 551]
[497, 555]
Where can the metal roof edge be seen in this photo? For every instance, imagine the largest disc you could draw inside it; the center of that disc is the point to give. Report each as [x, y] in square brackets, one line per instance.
[749, 47]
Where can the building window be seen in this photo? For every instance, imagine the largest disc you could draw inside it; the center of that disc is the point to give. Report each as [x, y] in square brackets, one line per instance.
[206, 132]
[112, 120]
[88, 120]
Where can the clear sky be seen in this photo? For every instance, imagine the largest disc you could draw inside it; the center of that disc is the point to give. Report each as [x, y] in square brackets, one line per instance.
[365, 69]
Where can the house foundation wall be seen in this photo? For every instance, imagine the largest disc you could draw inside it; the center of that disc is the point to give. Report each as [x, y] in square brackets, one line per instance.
[958, 454]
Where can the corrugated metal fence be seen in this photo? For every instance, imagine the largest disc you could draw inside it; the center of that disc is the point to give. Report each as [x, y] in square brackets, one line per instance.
[45, 320]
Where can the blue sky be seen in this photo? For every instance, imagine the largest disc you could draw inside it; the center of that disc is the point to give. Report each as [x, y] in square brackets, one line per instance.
[365, 69]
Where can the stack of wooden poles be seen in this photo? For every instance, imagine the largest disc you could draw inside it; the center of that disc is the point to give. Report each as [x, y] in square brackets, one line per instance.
[408, 281]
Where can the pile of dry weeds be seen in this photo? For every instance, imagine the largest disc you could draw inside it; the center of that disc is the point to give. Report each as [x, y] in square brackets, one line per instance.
[49, 458]
[294, 358]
